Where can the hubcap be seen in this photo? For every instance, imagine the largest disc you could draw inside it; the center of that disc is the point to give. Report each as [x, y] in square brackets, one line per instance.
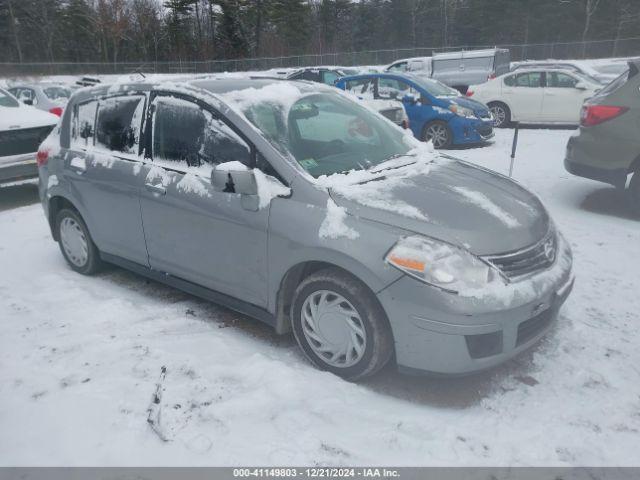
[498, 114]
[333, 328]
[438, 135]
[74, 242]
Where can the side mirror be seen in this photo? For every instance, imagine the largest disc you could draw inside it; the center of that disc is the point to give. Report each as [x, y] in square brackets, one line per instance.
[410, 98]
[581, 86]
[27, 101]
[227, 177]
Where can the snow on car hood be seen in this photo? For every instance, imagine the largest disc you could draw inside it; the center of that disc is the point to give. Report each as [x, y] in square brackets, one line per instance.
[25, 116]
[474, 105]
[450, 200]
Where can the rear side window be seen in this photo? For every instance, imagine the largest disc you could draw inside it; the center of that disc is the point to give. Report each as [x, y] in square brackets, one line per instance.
[83, 125]
[393, 89]
[190, 136]
[119, 123]
[361, 87]
[560, 80]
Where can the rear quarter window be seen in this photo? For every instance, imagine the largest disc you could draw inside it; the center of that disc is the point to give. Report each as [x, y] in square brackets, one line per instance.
[83, 124]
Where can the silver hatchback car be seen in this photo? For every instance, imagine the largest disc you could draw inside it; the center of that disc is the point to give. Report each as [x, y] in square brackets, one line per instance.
[293, 204]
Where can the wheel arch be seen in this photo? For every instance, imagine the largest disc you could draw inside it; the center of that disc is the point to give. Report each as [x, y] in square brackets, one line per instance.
[301, 270]
[55, 204]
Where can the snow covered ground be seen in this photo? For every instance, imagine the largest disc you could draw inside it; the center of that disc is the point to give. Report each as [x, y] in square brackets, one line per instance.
[80, 358]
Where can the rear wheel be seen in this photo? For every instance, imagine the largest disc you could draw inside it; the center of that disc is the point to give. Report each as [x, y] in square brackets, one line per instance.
[340, 326]
[501, 114]
[439, 133]
[633, 193]
[76, 244]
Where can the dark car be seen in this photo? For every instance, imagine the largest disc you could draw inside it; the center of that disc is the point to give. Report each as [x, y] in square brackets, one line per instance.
[607, 147]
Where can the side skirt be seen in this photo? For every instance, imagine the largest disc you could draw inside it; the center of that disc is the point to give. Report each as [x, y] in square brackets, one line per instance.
[194, 289]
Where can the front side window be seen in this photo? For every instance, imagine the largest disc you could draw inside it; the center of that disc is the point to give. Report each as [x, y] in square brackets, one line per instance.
[187, 135]
[119, 124]
[398, 67]
[326, 133]
[83, 125]
[560, 80]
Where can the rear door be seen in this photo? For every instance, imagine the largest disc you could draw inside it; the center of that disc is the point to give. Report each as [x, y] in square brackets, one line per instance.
[192, 231]
[524, 92]
[102, 166]
[562, 100]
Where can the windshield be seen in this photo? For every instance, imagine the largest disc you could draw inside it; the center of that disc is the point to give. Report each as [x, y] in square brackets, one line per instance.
[6, 100]
[614, 85]
[587, 78]
[57, 93]
[326, 133]
[613, 68]
[434, 87]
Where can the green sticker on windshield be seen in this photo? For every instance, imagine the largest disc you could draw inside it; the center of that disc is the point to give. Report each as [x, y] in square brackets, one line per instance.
[308, 163]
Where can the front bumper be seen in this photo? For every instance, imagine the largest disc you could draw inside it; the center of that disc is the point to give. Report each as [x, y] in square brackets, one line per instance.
[466, 131]
[441, 333]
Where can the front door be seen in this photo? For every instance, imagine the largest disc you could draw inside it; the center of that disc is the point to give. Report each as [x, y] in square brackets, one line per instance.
[562, 100]
[101, 167]
[193, 231]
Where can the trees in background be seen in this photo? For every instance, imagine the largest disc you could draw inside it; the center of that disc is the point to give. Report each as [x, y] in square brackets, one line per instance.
[157, 30]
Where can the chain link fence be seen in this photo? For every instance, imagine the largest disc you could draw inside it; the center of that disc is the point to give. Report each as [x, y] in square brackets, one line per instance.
[624, 47]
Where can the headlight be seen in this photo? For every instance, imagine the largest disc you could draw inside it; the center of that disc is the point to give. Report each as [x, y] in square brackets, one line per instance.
[462, 111]
[441, 265]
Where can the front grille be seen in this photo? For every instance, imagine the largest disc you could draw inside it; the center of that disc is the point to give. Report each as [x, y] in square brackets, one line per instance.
[515, 265]
[484, 130]
[27, 140]
[532, 327]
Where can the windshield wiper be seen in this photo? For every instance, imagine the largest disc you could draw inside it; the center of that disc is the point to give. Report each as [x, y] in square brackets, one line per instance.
[381, 166]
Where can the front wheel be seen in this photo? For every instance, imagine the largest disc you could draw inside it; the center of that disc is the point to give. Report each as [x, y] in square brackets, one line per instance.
[340, 326]
[76, 244]
[439, 133]
[501, 114]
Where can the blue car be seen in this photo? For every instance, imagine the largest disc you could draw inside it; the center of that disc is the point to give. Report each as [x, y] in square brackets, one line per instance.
[436, 112]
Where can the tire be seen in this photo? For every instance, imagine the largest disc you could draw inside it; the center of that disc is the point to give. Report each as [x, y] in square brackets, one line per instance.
[443, 139]
[76, 244]
[633, 193]
[367, 325]
[501, 114]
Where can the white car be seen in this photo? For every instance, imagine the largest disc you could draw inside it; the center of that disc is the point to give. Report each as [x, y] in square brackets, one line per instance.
[539, 95]
[22, 130]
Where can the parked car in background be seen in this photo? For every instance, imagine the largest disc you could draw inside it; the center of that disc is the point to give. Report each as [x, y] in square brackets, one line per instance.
[607, 145]
[436, 112]
[50, 97]
[539, 95]
[22, 130]
[584, 69]
[298, 206]
[472, 67]
[457, 69]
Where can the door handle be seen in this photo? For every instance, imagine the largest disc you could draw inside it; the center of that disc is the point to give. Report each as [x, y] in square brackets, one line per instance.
[155, 189]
